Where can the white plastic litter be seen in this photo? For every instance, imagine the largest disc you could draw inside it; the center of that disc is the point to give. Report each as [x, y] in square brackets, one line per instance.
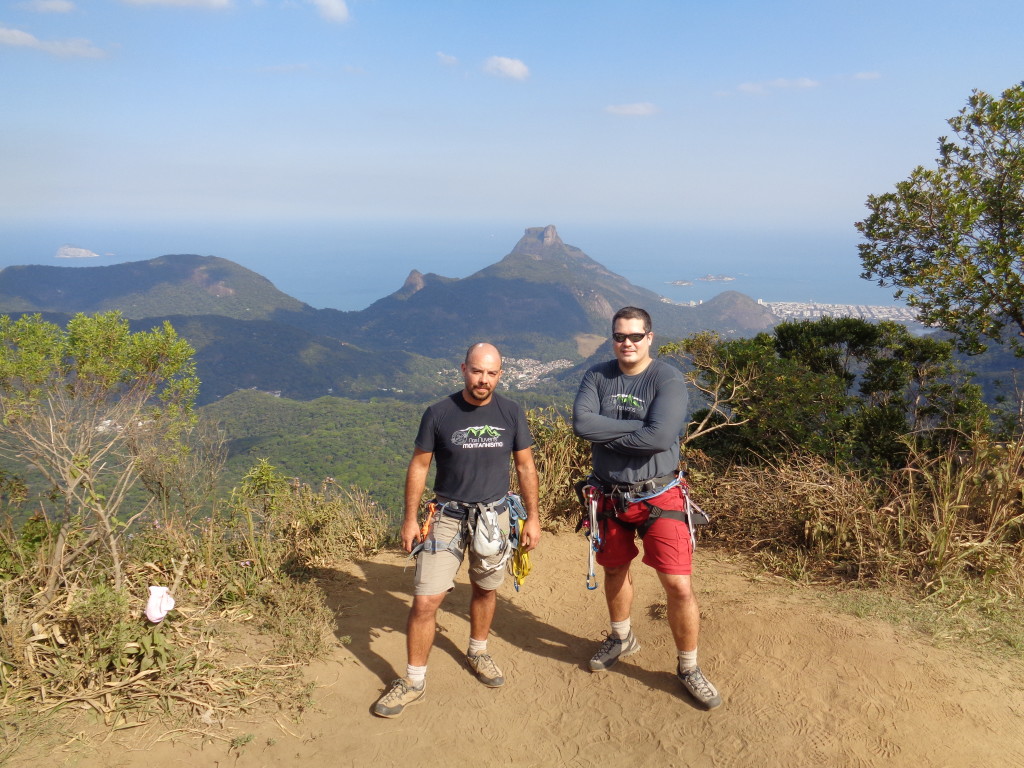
[160, 604]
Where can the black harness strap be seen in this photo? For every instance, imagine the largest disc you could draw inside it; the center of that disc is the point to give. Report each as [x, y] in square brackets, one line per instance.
[652, 517]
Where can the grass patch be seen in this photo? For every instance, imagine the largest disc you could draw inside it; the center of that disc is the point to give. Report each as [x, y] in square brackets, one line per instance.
[976, 623]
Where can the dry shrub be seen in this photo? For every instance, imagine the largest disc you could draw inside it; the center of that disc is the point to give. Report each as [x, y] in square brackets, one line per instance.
[321, 529]
[958, 517]
[90, 646]
[796, 509]
[562, 459]
[296, 616]
[954, 521]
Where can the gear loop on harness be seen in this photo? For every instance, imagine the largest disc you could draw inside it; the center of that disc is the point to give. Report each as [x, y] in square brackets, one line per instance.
[519, 563]
[589, 496]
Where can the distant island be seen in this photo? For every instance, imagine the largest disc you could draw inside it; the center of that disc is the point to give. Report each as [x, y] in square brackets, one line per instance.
[705, 279]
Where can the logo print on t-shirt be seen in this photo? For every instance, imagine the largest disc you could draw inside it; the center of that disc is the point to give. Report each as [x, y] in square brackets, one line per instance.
[479, 437]
[626, 403]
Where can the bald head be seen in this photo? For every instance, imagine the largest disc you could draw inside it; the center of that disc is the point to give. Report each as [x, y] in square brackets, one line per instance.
[483, 348]
[481, 372]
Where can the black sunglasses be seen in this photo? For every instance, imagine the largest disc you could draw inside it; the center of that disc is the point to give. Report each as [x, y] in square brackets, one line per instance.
[636, 338]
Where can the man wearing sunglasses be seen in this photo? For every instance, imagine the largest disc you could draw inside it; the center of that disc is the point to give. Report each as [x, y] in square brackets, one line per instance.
[632, 410]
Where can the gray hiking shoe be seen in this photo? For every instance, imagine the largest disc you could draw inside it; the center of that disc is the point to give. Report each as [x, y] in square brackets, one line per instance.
[398, 697]
[613, 649]
[486, 670]
[703, 692]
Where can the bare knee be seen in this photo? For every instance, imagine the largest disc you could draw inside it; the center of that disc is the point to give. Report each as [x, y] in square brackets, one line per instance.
[480, 593]
[678, 589]
[424, 607]
[616, 574]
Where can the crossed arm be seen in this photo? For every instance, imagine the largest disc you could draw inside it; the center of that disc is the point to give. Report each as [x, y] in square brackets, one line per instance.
[656, 432]
[587, 421]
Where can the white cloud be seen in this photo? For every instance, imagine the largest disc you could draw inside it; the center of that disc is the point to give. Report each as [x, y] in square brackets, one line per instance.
[778, 84]
[71, 47]
[501, 66]
[332, 10]
[447, 59]
[638, 109]
[48, 6]
[183, 3]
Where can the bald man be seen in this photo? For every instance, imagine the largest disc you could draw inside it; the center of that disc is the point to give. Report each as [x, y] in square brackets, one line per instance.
[471, 434]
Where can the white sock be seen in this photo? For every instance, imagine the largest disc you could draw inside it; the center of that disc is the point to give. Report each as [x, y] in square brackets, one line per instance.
[621, 628]
[476, 647]
[416, 675]
[687, 660]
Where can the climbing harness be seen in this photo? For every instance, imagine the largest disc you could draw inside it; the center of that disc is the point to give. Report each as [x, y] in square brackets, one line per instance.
[478, 525]
[620, 496]
[519, 564]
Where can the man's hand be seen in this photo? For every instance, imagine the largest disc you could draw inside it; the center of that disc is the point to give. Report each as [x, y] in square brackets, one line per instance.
[410, 534]
[531, 533]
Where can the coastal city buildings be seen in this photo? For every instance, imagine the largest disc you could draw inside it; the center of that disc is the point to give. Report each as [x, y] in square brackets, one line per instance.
[793, 310]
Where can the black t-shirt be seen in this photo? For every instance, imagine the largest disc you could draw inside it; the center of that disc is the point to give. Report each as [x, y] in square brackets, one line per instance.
[472, 445]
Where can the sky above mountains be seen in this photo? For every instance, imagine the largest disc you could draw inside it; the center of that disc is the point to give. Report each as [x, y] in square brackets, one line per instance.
[732, 115]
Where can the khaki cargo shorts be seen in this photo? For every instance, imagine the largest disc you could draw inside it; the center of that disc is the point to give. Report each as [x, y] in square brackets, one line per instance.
[437, 566]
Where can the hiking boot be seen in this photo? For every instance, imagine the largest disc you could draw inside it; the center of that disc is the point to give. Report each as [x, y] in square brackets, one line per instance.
[703, 692]
[613, 649]
[486, 670]
[401, 694]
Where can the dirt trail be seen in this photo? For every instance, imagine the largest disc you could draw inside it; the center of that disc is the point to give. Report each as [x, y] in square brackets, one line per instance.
[802, 686]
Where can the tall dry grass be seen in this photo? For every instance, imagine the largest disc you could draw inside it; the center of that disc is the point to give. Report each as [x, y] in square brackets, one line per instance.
[562, 459]
[952, 522]
[246, 567]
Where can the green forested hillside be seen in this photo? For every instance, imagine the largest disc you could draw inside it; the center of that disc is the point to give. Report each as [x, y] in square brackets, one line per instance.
[366, 444]
[362, 443]
[235, 354]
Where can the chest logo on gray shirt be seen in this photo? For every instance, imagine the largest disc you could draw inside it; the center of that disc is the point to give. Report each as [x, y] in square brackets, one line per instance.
[478, 437]
[626, 403]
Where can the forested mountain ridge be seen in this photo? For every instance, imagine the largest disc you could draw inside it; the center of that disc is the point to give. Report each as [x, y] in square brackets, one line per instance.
[168, 285]
[537, 301]
[545, 300]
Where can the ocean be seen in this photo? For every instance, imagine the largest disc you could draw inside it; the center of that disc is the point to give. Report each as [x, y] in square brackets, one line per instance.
[349, 265]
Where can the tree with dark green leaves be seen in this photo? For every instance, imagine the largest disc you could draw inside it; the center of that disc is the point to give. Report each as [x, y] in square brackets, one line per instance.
[951, 238]
[842, 388]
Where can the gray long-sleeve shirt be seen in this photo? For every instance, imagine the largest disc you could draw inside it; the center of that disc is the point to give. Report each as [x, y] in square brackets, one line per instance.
[632, 422]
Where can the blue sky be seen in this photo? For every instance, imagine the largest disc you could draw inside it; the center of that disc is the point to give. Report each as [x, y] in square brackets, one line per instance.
[737, 116]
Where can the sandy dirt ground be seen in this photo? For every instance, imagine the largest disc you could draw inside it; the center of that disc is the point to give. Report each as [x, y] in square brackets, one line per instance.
[802, 685]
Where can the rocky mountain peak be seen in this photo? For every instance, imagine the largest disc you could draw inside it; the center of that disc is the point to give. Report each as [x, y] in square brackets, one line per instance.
[540, 241]
[414, 282]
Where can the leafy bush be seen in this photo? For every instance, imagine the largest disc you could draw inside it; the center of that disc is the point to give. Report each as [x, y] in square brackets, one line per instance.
[845, 389]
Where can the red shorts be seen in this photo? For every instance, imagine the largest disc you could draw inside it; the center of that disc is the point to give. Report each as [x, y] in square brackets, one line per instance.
[667, 546]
